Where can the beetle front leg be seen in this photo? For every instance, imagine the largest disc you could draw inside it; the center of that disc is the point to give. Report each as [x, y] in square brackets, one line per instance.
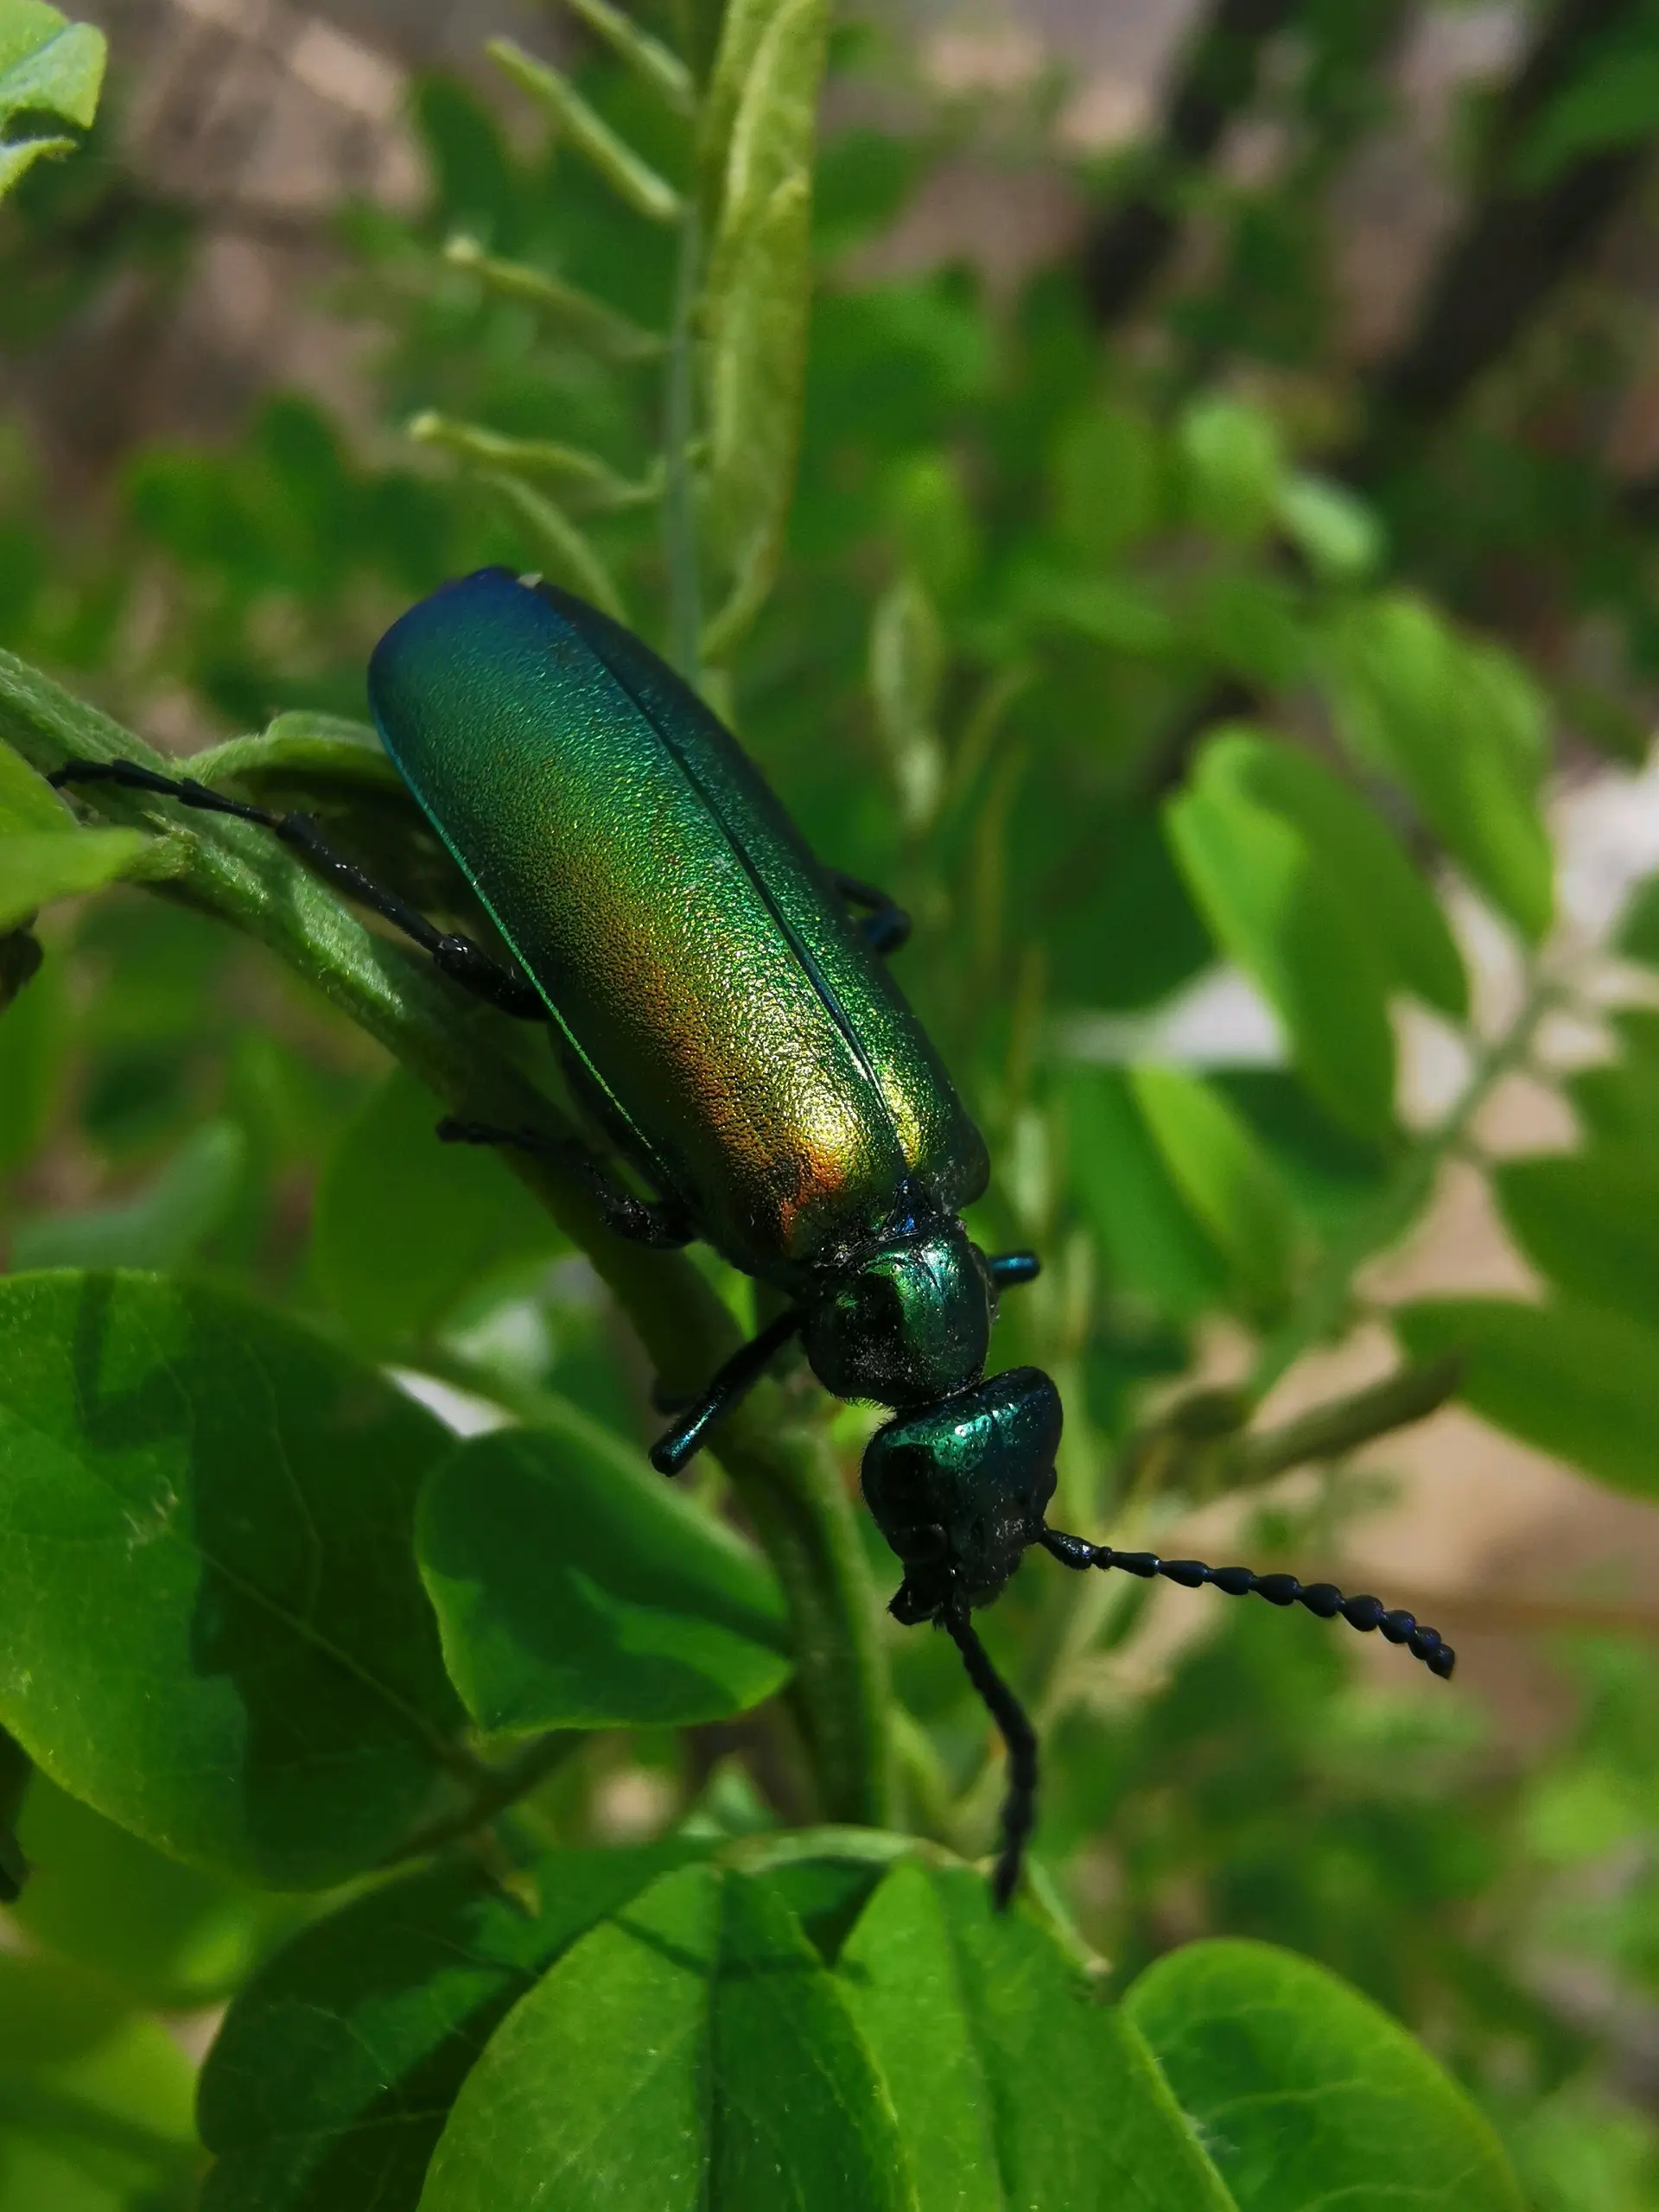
[455, 956]
[739, 1375]
[662, 1224]
[885, 923]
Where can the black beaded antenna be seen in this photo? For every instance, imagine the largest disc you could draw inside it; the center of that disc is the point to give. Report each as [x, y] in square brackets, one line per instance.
[1323, 1598]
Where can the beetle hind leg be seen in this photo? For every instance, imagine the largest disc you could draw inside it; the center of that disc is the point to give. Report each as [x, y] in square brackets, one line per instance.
[661, 1224]
[453, 956]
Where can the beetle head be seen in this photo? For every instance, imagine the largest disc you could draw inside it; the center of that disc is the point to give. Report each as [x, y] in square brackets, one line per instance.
[910, 1325]
[960, 1488]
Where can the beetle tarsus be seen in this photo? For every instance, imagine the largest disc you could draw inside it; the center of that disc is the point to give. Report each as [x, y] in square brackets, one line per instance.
[738, 1376]
[1010, 1270]
[885, 923]
[1020, 1803]
[1323, 1598]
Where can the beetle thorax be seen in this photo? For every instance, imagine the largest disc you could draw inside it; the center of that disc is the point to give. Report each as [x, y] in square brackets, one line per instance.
[909, 1324]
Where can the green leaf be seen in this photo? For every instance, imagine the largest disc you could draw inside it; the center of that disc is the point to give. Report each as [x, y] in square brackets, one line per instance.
[755, 306]
[1273, 904]
[48, 66]
[1567, 1378]
[1151, 1243]
[1233, 461]
[594, 481]
[1306, 2094]
[692, 2051]
[1015, 2084]
[215, 1632]
[1638, 925]
[330, 2082]
[161, 1228]
[1590, 1222]
[405, 1225]
[600, 326]
[162, 1934]
[1222, 1172]
[29, 805]
[647, 57]
[1462, 728]
[37, 865]
[1337, 533]
[566, 552]
[1106, 480]
[1618, 1100]
[907, 655]
[634, 181]
[301, 747]
[575, 1589]
[94, 2102]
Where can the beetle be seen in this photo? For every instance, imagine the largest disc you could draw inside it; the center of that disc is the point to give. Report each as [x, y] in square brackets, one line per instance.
[724, 1009]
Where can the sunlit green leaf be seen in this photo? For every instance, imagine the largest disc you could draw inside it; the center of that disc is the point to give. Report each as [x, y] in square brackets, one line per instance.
[215, 1630]
[1568, 1378]
[302, 747]
[1277, 907]
[1151, 1242]
[37, 865]
[334, 2072]
[1461, 727]
[1306, 2094]
[1014, 2083]
[1339, 534]
[633, 181]
[48, 66]
[755, 304]
[575, 1589]
[692, 2051]
[664, 72]
[29, 805]
[1232, 462]
[907, 654]
[1221, 1172]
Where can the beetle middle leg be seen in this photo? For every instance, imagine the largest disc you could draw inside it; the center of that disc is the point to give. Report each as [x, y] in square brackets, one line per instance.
[884, 922]
[452, 955]
[1010, 1270]
[662, 1224]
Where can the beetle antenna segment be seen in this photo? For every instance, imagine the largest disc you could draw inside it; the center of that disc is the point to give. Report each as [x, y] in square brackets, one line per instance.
[740, 1375]
[1019, 1806]
[1323, 1598]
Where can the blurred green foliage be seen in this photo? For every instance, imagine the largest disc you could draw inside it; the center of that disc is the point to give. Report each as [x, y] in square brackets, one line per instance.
[1113, 664]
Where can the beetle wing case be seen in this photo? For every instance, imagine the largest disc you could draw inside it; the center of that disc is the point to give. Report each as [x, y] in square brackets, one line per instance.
[703, 973]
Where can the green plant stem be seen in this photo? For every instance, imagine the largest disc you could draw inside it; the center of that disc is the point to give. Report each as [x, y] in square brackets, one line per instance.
[1319, 1311]
[465, 1054]
[498, 1789]
[679, 429]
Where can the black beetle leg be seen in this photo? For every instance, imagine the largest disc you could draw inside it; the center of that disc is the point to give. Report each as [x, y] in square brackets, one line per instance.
[661, 1223]
[456, 957]
[739, 1374]
[884, 922]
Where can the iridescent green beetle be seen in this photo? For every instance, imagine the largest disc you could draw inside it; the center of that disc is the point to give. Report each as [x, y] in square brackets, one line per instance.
[722, 1005]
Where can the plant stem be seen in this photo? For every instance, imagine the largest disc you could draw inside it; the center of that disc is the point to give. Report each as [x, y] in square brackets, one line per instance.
[679, 424]
[464, 1053]
[497, 1788]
